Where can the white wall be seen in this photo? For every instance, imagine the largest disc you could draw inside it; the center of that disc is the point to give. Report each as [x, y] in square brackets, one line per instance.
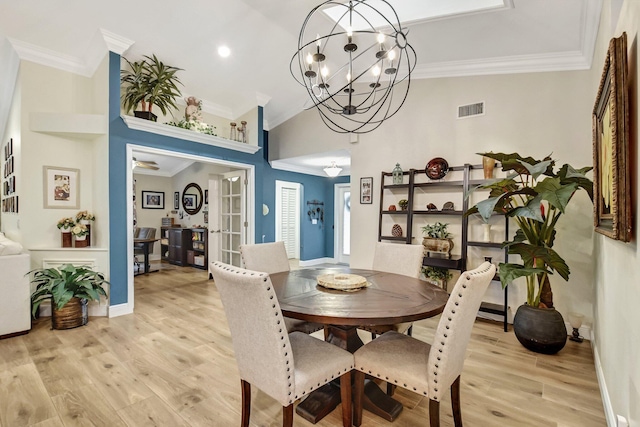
[153, 217]
[533, 114]
[617, 280]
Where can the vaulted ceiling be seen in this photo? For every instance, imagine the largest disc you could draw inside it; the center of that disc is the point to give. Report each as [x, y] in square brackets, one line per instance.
[518, 36]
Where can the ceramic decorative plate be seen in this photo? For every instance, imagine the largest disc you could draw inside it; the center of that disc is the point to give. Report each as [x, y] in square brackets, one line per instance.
[437, 168]
[343, 282]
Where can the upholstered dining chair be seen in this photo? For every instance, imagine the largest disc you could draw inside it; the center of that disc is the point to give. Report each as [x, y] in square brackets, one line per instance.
[426, 369]
[398, 259]
[285, 366]
[272, 258]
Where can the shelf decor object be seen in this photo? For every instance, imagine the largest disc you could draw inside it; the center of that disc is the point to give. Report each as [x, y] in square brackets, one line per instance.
[397, 174]
[355, 62]
[343, 282]
[488, 164]
[366, 188]
[437, 168]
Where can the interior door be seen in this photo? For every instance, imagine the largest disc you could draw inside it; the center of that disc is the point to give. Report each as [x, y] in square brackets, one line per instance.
[288, 197]
[233, 216]
[342, 238]
[214, 243]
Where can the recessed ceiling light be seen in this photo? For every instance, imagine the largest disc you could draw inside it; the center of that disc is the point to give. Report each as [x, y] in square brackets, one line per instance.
[224, 51]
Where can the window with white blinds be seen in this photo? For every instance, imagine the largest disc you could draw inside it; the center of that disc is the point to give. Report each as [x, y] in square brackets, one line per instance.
[288, 216]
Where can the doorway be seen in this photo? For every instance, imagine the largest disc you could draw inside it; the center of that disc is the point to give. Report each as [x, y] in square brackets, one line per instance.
[249, 222]
[342, 231]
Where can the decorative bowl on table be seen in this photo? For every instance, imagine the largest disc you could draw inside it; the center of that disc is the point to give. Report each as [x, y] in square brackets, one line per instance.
[343, 282]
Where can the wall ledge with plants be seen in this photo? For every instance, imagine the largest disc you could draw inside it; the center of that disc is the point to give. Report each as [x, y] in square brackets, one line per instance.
[188, 135]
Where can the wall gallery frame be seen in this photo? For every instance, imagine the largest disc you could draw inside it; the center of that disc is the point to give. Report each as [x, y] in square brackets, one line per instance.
[611, 169]
[61, 188]
[366, 188]
[176, 200]
[152, 200]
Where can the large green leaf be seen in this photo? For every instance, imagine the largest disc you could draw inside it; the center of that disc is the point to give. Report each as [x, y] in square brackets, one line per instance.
[568, 174]
[556, 193]
[530, 210]
[510, 272]
[512, 162]
[532, 253]
[537, 169]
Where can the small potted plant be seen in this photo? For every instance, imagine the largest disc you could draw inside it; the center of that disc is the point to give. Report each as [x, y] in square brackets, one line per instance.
[437, 238]
[69, 288]
[83, 217]
[437, 275]
[147, 83]
[80, 232]
[65, 225]
[404, 203]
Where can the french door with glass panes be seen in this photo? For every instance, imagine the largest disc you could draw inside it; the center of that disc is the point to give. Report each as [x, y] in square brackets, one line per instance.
[233, 221]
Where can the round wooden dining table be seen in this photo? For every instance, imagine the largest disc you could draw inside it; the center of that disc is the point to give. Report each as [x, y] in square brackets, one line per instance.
[389, 299]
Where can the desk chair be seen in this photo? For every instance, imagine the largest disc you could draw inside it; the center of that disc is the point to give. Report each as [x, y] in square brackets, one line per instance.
[138, 248]
[285, 366]
[429, 370]
[272, 258]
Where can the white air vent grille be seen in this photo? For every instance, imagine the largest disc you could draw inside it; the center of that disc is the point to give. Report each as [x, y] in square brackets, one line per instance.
[471, 110]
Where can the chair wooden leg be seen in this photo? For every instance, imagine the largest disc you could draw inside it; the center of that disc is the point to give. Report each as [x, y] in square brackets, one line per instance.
[346, 398]
[373, 336]
[434, 413]
[287, 416]
[455, 402]
[357, 398]
[246, 402]
[410, 331]
[326, 333]
[391, 388]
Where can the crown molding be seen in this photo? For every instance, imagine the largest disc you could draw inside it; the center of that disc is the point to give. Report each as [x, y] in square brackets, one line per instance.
[115, 43]
[9, 66]
[307, 170]
[39, 55]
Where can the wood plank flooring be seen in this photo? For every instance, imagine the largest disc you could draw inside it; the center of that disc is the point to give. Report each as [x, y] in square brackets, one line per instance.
[171, 363]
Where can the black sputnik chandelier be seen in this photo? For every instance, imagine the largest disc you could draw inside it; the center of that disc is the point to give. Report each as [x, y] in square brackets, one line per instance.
[355, 62]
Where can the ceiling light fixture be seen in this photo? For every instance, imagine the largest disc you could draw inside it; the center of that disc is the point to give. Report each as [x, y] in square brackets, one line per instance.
[332, 170]
[352, 71]
[224, 51]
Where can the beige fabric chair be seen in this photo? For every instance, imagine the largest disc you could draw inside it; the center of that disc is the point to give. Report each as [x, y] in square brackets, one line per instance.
[272, 258]
[426, 369]
[285, 366]
[398, 259]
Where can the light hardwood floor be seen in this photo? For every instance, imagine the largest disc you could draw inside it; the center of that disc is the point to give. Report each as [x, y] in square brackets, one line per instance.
[172, 364]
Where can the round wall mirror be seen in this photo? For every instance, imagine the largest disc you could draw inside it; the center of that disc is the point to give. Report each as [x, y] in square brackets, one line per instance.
[192, 198]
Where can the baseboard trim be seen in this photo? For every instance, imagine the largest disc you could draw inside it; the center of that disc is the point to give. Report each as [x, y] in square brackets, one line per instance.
[311, 262]
[120, 309]
[609, 413]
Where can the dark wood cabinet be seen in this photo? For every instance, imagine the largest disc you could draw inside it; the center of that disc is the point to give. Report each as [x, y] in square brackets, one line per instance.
[417, 189]
[185, 246]
[174, 244]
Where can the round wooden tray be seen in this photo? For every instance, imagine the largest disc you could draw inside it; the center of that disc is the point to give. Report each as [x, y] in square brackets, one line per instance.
[343, 282]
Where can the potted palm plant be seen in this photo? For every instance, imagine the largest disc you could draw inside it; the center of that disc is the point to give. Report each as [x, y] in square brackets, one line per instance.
[535, 195]
[147, 83]
[69, 288]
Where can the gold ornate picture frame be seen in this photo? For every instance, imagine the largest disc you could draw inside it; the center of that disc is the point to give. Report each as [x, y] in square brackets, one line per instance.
[611, 169]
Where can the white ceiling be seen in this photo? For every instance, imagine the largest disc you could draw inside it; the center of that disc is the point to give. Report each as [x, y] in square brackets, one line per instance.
[525, 36]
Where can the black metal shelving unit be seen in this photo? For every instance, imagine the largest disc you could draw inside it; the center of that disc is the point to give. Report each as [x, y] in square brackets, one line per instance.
[456, 262]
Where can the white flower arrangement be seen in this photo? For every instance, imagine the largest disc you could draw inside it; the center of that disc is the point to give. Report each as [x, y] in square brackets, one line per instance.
[195, 126]
[79, 230]
[66, 223]
[85, 215]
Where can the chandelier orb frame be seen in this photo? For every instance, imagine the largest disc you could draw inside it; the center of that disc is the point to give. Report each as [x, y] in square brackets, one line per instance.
[358, 74]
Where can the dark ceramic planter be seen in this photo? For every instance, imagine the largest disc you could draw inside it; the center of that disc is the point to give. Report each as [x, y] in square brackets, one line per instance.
[145, 115]
[540, 329]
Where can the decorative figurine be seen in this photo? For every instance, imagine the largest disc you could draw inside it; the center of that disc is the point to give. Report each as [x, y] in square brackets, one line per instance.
[192, 112]
[397, 174]
[392, 208]
[431, 207]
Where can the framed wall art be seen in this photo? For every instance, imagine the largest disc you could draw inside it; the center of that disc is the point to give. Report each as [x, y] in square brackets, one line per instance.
[611, 171]
[152, 200]
[61, 188]
[366, 188]
[176, 200]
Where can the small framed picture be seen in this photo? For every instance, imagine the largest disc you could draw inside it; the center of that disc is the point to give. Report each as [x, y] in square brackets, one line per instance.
[176, 200]
[189, 201]
[152, 200]
[206, 197]
[366, 188]
[61, 188]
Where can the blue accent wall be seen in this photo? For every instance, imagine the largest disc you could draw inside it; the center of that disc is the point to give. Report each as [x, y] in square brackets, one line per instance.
[314, 238]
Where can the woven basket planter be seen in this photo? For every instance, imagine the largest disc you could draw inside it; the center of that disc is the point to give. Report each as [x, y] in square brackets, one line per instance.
[73, 314]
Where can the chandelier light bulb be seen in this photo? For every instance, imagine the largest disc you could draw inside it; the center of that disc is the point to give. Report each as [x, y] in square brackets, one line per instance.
[375, 70]
[391, 55]
[349, 32]
[309, 59]
[324, 71]
[381, 38]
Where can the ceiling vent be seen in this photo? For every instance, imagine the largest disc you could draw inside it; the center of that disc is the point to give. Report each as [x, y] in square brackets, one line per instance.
[471, 110]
